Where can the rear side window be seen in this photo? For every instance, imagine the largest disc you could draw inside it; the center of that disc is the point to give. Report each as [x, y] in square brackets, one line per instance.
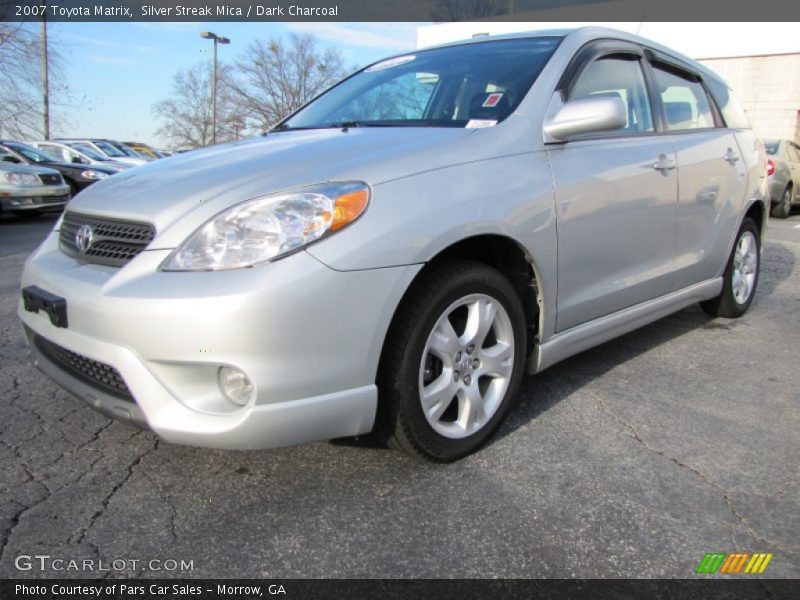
[771, 147]
[686, 105]
[733, 113]
[619, 77]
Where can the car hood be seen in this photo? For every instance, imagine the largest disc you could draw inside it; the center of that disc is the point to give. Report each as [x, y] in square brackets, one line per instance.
[177, 195]
[35, 169]
[64, 166]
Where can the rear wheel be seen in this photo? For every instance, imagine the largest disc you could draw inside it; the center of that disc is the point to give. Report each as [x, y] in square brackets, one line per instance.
[452, 363]
[741, 275]
[784, 207]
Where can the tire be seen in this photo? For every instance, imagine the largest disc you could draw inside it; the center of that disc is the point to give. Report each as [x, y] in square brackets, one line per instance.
[783, 209]
[487, 373]
[739, 288]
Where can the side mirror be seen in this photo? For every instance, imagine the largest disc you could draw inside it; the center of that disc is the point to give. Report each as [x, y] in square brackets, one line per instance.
[79, 160]
[586, 115]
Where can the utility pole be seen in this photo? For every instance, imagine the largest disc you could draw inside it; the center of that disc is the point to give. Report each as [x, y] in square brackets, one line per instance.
[45, 80]
[218, 39]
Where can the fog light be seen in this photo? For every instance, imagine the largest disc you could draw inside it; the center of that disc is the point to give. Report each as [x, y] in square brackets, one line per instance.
[236, 386]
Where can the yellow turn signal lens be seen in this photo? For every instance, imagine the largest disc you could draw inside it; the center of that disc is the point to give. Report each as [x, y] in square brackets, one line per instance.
[349, 207]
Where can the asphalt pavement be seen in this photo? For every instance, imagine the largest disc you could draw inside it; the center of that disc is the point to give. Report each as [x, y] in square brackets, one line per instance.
[633, 459]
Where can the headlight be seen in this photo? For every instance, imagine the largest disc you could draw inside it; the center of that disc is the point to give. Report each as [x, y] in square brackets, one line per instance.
[269, 227]
[22, 179]
[91, 174]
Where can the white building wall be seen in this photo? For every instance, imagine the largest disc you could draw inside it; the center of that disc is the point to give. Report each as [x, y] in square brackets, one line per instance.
[769, 89]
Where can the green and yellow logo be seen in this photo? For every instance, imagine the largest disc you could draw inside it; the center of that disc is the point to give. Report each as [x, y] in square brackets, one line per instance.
[719, 562]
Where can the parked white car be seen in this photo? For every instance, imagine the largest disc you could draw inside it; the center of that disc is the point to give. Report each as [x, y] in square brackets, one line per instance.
[109, 150]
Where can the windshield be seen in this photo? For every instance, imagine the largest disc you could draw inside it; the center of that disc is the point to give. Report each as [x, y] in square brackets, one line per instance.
[109, 149]
[32, 153]
[89, 151]
[772, 146]
[469, 85]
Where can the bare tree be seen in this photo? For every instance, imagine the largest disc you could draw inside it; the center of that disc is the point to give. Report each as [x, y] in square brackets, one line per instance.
[186, 114]
[20, 80]
[460, 10]
[275, 78]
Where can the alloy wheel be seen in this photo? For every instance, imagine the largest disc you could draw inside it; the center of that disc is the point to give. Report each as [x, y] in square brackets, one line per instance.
[745, 263]
[466, 366]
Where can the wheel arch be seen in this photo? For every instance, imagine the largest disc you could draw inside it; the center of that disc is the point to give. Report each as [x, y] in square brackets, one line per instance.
[757, 211]
[513, 260]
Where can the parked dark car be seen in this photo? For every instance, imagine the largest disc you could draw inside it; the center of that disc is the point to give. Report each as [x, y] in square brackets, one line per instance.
[783, 169]
[76, 176]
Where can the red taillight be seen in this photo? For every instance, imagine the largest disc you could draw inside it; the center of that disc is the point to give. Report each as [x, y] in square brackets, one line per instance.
[770, 167]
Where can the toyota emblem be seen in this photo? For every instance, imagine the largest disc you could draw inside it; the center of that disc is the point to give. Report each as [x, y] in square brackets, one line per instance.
[83, 237]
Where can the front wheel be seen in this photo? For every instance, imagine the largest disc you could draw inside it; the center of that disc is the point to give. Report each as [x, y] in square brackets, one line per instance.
[741, 275]
[452, 362]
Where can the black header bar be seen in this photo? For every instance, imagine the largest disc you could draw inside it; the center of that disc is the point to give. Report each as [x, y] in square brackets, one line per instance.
[401, 10]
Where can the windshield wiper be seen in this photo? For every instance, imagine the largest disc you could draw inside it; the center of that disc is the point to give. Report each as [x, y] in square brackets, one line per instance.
[344, 125]
[285, 127]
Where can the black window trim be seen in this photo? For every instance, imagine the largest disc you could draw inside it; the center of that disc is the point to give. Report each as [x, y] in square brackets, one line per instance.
[681, 69]
[598, 50]
[647, 57]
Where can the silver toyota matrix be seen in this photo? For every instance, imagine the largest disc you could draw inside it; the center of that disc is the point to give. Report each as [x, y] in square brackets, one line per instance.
[395, 255]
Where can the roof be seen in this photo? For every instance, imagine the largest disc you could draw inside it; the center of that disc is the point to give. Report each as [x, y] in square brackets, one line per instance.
[587, 34]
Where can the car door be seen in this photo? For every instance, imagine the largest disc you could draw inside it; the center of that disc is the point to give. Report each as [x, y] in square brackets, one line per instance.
[712, 175]
[615, 199]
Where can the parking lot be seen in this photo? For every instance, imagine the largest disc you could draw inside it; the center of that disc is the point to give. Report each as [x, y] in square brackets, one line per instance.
[633, 459]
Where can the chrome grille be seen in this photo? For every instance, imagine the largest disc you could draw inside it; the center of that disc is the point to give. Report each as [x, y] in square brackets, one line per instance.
[95, 373]
[113, 242]
[48, 179]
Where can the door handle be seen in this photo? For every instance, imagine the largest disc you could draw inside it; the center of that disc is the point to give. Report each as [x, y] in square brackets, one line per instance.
[664, 164]
[731, 156]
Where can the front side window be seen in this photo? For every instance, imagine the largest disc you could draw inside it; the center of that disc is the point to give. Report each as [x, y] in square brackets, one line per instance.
[55, 151]
[686, 104]
[442, 87]
[618, 77]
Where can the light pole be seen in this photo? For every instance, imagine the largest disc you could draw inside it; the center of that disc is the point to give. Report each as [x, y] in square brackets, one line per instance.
[45, 80]
[218, 39]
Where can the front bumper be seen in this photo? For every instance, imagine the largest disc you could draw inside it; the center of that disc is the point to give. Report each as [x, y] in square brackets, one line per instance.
[308, 337]
[32, 202]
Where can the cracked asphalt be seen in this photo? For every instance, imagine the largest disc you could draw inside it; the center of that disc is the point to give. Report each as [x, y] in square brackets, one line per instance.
[633, 459]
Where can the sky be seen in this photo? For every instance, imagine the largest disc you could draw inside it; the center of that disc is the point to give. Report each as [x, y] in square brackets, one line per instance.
[117, 71]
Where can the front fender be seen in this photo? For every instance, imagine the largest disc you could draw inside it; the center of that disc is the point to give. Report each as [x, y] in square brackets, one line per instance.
[412, 219]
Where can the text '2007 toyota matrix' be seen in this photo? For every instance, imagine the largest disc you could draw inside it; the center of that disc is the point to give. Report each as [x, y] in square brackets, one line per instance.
[395, 255]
